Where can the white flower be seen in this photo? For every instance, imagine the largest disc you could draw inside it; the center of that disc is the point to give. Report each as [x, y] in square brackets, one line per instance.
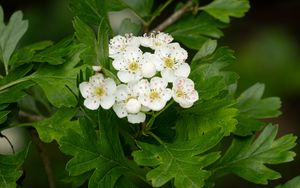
[119, 44]
[127, 103]
[96, 68]
[148, 64]
[129, 65]
[173, 62]
[156, 40]
[184, 93]
[155, 94]
[98, 91]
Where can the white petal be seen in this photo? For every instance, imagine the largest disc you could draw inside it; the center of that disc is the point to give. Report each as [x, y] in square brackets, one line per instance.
[96, 68]
[148, 70]
[92, 103]
[186, 104]
[133, 88]
[133, 53]
[136, 118]
[85, 89]
[119, 63]
[125, 76]
[158, 83]
[166, 94]
[134, 41]
[145, 109]
[144, 99]
[143, 87]
[97, 79]
[164, 37]
[183, 70]
[110, 86]
[168, 75]
[121, 92]
[157, 105]
[163, 52]
[178, 53]
[107, 102]
[133, 106]
[120, 110]
[146, 42]
[193, 96]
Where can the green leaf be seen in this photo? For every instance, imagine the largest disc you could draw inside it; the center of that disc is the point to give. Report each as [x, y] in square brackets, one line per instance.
[91, 11]
[129, 27]
[3, 116]
[57, 125]
[14, 93]
[57, 81]
[102, 44]
[10, 168]
[193, 31]
[96, 50]
[253, 107]
[206, 49]
[207, 115]
[247, 158]
[207, 75]
[26, 54]
[86, 36]
[293, 183]
[223, 9]
[99, 152]
[183, 161]
[141, 7]
[55, 54]
[10, 35]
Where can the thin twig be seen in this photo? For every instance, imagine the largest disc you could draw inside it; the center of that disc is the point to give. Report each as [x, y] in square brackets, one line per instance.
[27, 117]
[9, 142]
[45, 159]
[175, 16]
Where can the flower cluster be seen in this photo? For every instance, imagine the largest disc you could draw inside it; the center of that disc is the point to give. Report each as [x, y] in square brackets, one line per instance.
[152, 69]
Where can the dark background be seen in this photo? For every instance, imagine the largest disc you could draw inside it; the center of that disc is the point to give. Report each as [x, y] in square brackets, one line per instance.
[267, 46]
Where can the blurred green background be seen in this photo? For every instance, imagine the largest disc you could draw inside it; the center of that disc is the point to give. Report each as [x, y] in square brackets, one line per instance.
[267, 46]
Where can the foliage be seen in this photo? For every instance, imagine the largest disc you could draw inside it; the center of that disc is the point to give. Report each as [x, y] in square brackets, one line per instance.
[175, 147]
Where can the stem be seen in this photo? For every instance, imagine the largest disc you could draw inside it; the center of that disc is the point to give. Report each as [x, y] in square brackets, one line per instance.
[6, 68]
[157, 13]
[14, 83]
[30, 117]
[175, 16]
[45, 159]
[152, 119]
[156, 137]
[9, 142]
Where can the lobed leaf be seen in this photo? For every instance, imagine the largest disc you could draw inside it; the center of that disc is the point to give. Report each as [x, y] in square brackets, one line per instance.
[57, 125]
[10, 170]
[293, 183]
[10, 35]
[253, 107]
[181, 161]
[247, 158]
[194, 31]
[99, 153]
[224, 9]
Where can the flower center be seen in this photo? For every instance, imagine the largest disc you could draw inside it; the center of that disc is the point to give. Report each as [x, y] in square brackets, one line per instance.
[154, 95]
[157, 43]
[180, 93]
[100, 91]
[169, 62]
[133, 66]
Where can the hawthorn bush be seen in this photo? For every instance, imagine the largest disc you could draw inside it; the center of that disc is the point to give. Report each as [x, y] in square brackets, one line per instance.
[177, 129]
